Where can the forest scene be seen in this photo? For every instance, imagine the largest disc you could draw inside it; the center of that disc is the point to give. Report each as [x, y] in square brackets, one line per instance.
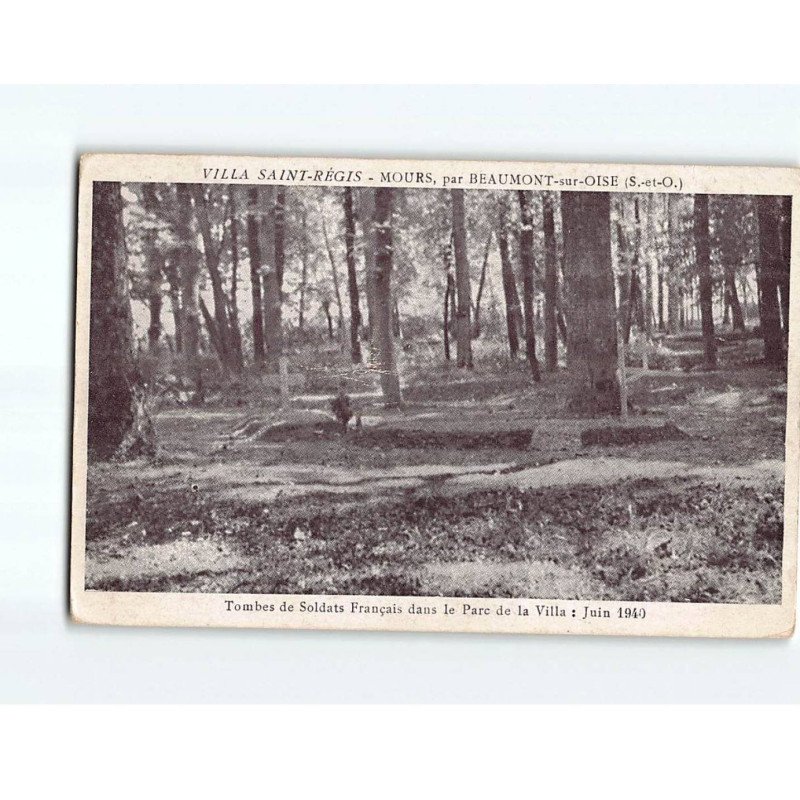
[433, 392]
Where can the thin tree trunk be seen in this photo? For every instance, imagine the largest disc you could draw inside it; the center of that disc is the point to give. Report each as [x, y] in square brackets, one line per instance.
[770, 267]
[366, 213]
[703, 255]
[397, 331]
[634, 307]
[386, 362]
[334, 270]
[550, 286]
[254, 252]
[528, 268]
[273, 282]
[737, 317]
[190, 275]
[589, 279]
[513, 312]
[650, 269]
[233, 302]
[173, 279]
[745, 301]
[449, 289]
[476, 328]
[326, 307]
[303, 271]
[155, 270]
[352, 284]
[463, 289]
[271, 224]
[117, 421]
[154, 303]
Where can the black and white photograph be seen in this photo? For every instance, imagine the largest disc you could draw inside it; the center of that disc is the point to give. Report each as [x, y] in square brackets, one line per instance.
[513, 386]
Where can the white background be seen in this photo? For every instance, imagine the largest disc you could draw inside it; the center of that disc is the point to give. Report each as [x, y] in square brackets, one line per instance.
[43, 657]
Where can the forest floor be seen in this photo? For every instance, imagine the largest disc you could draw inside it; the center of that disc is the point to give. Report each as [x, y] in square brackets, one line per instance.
[482, 485]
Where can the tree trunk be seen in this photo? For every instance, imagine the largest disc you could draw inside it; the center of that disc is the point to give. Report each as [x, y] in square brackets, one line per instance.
[650, 271]
[173, 279]
[476, 327]
[513, 312]
[732, 297]
[326, 307]
[334, 270]
[589, 279]
[673, 265]
[463, 289]
[396, 329]
[155, 270]
[449, 289]
[550, 286]
[769, 274]
[233, 302]
[352, 284]
[255, 255]
[366, 213]
[154, 303]
[211, 250]
[272, 249]
[528, 268]
[703, 255]
[634, 304]
[117, 421]
[301, 310]
[785, 205]
[190, 286]
[386, 363]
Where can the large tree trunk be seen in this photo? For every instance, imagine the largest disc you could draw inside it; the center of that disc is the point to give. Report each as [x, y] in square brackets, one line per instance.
[385, 361]
[254, 251]
[190, 286]
[513, 311]
[117, 421]
[785, 205]
[769, 275]
[589, 279]
[211, 249]
[550, 286]
[352, 284]
[703, 256]
[463, 289]
[673, 265]
[528, 269]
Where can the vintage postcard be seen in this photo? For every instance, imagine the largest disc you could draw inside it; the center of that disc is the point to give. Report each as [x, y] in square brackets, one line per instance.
[436, 396]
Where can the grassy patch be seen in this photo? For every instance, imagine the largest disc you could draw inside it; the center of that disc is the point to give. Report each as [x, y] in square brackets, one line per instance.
[672, 540]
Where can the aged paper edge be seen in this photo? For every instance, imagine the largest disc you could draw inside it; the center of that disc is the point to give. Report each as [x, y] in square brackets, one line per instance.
[497, 615]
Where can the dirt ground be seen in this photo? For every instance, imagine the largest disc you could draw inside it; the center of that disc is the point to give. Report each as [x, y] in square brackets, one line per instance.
[480, 486]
